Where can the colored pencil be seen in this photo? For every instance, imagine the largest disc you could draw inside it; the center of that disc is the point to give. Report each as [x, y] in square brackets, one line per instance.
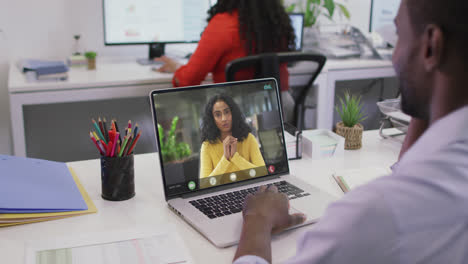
[102, 145]
[106, 134]
[115, 143]
[101, 127]
[130, 150]
[129, 141]
[95, 143]
[117, 129]
[129, 127]
[95, 135]
[135, 131]
[98, 130]
[112, 135]
[123, 146]
[109, 149]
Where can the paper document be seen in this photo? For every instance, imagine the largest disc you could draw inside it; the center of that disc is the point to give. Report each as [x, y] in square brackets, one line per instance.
[155, 248]
[35, 186]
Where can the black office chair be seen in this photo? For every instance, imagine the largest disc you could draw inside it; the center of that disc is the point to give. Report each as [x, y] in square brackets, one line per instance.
[268, 65]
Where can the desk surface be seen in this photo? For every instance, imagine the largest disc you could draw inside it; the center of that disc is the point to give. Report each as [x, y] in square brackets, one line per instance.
[148, 208]
[110, 72]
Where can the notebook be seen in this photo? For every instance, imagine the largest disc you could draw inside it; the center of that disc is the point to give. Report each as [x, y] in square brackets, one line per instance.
[350, 179]
[27, 218]
[36, 186]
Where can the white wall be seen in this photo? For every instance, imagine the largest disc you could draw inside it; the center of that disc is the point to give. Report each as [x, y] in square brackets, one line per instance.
[45, 29]
[5, 135]
[30, 29]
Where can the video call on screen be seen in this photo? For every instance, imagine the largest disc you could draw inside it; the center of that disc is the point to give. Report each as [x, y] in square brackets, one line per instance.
[180, 117]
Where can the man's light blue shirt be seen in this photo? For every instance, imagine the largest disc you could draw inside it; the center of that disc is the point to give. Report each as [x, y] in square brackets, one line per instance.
[418, 214]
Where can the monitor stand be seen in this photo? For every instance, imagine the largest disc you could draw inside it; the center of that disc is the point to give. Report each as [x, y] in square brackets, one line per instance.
[155, 50]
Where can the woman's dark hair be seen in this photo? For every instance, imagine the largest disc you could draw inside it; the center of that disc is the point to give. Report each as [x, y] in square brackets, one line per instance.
[264, 24]
[209, 130]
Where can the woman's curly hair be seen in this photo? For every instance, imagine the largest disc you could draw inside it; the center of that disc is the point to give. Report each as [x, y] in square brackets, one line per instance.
[209, 130]
[264, 24]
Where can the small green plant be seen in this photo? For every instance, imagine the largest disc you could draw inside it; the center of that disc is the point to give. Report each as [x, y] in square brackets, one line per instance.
[170, 149]
[313, 9]
[351, 109]
[90, 54]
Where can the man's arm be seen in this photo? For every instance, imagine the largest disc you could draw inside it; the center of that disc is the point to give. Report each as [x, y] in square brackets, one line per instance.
[264, 213]
[416, 128]
[255, 239]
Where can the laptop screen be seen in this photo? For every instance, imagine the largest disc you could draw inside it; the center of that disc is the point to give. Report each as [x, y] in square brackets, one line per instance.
[213, 135]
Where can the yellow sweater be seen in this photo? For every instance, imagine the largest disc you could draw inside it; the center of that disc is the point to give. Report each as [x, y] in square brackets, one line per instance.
[213, 162]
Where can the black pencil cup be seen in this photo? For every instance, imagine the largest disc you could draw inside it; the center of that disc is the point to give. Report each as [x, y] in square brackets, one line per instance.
[117, 178]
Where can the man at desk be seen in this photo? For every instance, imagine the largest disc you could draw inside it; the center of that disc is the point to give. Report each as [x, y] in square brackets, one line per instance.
[419, 214]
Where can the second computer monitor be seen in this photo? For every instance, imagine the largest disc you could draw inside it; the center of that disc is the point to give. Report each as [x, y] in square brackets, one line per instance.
[297, 22]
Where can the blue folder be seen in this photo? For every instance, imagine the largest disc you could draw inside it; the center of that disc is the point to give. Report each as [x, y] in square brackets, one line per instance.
[37, 186]
[42, 67]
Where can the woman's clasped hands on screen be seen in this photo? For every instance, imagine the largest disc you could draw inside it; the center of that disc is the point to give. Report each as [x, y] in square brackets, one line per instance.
[230, 147]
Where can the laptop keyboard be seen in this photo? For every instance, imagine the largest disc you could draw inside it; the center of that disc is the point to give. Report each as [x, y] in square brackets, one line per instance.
[232, 202]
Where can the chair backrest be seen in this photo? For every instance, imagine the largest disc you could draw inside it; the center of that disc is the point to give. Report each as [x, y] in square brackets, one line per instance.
[269, 135]
[268, 65]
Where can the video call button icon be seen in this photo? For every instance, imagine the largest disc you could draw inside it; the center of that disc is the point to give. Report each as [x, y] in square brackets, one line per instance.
[213, 181]
[192, 185]
[271, 168]
[233, 177]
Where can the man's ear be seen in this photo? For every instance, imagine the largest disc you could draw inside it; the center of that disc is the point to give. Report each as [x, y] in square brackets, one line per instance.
[433, 47]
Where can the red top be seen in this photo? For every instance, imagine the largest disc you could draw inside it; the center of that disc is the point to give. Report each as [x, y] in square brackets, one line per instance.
[220, 43]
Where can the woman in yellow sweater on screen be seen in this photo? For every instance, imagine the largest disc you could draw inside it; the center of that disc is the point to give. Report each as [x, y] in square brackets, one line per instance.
[228, 146]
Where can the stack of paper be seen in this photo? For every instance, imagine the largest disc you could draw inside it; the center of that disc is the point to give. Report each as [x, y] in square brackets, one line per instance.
[322, 143]
[33, 190]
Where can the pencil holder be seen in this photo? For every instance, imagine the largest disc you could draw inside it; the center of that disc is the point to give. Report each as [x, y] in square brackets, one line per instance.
[117, 178]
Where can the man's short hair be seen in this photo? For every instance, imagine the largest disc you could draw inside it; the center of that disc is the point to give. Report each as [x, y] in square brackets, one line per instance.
[450, 15]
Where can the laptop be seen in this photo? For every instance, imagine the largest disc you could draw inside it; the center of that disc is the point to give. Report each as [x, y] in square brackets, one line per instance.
[206, 185]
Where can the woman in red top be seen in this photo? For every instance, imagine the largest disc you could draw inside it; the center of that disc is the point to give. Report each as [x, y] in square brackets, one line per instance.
[236, 28]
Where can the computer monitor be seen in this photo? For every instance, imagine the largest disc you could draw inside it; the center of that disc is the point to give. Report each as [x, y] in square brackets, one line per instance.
[154, 23]
[383, 12]
[297, 22]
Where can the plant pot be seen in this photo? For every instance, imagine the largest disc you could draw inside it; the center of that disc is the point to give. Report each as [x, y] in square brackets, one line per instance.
[352, 135]
[92, 64]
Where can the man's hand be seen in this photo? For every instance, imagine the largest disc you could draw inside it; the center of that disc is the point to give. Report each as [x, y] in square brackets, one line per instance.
[272, 207]
[264, 213]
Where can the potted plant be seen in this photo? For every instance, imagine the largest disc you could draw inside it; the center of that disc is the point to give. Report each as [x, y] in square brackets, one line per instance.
[175, 154]
[91, 57]
[312, 10]
[351, 116]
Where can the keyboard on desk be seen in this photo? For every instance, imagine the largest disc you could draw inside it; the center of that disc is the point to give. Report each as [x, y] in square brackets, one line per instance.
[232, 202]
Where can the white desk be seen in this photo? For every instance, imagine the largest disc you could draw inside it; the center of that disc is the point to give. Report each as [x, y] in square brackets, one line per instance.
[128, 79]
[148, 208]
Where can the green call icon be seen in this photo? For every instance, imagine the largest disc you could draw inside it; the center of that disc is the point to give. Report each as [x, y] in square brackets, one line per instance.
[192, 185]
